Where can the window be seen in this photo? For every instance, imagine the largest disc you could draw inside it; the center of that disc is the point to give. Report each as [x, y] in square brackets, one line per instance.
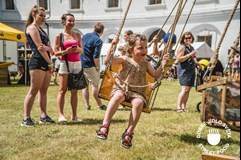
[75, 4]
[156, 5]
[207, 39]
[153, 34]
[113, 3]
[154, 2]
[207, 1]
[44, 4]
[9, 4]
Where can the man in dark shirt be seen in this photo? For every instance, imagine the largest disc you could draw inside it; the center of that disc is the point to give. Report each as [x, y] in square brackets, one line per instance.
[92, 45]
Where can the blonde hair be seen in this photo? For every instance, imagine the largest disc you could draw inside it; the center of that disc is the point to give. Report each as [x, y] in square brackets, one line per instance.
[33, 12]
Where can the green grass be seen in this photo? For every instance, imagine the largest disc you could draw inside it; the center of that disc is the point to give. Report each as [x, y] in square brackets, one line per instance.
[163, 134]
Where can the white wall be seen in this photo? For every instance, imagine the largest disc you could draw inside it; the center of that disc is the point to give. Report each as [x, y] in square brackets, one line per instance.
[11, 54]
[142, 18]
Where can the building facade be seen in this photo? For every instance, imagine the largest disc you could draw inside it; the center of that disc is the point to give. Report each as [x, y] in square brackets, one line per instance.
[207, 21]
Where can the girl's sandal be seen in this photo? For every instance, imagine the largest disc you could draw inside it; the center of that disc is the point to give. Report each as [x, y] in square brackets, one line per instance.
[126, 143]
[103, 135]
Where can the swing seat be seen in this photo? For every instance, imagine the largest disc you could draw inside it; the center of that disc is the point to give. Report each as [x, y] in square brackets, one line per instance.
[221, 101]
[168, 66]
[108, 82]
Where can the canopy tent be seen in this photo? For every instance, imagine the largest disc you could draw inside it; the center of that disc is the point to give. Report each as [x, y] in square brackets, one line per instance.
[8, 33]
[11, 34]
[203, 50]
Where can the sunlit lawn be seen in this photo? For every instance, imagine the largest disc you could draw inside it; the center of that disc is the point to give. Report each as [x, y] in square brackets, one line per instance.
[163, 134]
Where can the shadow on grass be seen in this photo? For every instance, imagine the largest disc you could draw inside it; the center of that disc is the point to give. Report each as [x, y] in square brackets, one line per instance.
[163, 109]
[14, 85]
[94, 122]
[192, 139]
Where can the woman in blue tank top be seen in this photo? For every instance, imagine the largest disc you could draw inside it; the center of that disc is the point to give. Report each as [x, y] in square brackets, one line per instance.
[40, 66]
[187, 62]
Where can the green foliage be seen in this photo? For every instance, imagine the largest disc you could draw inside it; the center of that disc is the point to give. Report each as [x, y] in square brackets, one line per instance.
[162, 135]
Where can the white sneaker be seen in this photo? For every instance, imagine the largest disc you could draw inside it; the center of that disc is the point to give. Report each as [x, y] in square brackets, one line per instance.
[62, 119]
[77, 119]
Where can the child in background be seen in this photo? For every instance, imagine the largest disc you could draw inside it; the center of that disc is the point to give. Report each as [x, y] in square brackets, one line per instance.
[124, 49]
[133, 72]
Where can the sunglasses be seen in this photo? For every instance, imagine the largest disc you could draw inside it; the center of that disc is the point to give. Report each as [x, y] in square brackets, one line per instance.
[188, 38]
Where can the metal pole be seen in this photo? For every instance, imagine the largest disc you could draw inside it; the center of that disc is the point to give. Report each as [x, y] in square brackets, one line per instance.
[4, 51]
[25, 64]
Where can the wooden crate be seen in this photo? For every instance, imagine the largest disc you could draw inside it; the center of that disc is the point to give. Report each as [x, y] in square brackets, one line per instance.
[218, 157]
[4, 76]
[4, 73]
[221, 101]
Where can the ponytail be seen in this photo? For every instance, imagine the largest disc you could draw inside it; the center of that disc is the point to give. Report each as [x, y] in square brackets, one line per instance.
[33, 12]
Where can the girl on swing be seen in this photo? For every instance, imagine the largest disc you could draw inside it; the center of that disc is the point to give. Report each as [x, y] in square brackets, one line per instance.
[133, 72]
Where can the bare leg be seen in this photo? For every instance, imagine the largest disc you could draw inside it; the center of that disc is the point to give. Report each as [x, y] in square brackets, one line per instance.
[183, 97]
[43, 94]
[37, 78]
[113, 106]
[63, 80]
[95, 92]
[137, 106]
[74, 103]
[85, 93]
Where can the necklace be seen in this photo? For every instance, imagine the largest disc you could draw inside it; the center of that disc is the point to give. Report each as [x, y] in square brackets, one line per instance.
[68, 36]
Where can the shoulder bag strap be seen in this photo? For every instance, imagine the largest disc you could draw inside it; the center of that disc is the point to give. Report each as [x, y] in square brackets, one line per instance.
[62, 47]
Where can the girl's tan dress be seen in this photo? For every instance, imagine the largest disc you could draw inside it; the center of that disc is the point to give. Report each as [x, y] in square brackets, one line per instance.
[132, 74]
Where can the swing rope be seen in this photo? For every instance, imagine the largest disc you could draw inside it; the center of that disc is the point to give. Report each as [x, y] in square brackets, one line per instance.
[155, 84]
[179, 12]
[113, 48]
[227, 70]
[179, 15]
[173, 27]
[214, 60]
[159, 32]
[189, 15]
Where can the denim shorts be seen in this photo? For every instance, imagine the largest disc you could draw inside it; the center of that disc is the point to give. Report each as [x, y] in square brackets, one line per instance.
[38, 64]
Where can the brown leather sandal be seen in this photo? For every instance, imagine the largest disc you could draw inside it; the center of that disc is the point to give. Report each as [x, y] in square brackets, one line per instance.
[126, 143]
[103, 135]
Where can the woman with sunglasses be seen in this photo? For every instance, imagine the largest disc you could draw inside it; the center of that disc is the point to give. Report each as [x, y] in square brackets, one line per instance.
[40, 66]
[187, 62]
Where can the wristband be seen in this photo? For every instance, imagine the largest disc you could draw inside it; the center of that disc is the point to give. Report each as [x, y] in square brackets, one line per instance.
[50, 65]
[62, 53]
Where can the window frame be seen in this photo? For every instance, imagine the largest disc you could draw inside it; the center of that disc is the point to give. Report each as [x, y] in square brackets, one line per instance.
[76, 10]
[14, 8]
[200, 2]
[48, 5]
[205, 39]
[150, 6]
[108, 4]
[113, 9]
[155, 3]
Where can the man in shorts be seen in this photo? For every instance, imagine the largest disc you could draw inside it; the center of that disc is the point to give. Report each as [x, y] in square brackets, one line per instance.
[92, 45]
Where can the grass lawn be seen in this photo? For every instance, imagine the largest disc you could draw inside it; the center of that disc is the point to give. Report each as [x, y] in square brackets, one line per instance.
[163, 134]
